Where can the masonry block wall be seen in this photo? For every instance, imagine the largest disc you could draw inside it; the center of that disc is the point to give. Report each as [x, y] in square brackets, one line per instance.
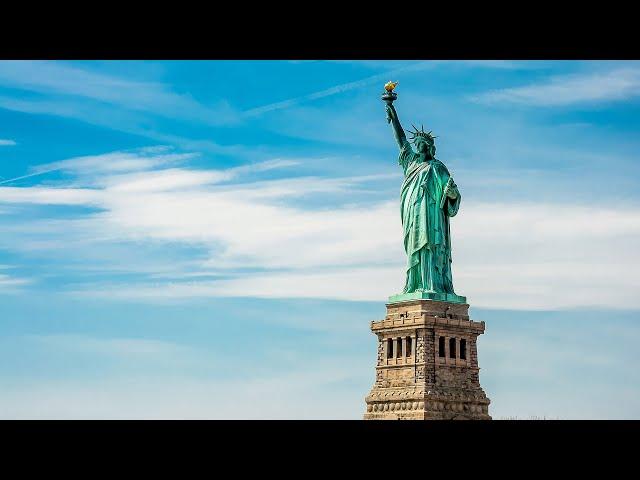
[427, 364]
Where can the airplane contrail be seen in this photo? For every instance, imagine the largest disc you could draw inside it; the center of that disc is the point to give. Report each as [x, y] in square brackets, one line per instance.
[334, 90]
[30, 175]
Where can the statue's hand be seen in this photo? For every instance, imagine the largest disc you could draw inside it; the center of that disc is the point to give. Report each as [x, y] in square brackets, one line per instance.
[452, 190]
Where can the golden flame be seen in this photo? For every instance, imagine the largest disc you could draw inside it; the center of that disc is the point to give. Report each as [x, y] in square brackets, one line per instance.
[389, 86]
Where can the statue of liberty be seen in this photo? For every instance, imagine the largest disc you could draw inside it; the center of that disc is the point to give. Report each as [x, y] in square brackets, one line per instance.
[428, 198]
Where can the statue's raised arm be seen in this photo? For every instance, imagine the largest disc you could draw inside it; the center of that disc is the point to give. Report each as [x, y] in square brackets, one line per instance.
[398, 132]
[392, 116]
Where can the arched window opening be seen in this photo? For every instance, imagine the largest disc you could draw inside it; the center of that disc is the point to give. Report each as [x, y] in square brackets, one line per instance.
[452, 348]
[463, 349]
[441, 347]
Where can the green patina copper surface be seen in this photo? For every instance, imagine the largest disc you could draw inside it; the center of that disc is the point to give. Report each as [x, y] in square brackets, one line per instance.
[428, 199]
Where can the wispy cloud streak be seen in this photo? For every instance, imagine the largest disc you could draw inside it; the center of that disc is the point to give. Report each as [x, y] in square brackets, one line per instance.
[61, 80]
[260, 238]
[115, 162]
[612, 85]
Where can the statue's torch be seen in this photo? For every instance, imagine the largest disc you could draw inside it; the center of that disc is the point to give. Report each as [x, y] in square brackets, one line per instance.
[389, 95]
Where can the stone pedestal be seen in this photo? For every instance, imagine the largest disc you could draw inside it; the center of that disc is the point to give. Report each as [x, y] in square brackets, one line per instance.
[427, 366]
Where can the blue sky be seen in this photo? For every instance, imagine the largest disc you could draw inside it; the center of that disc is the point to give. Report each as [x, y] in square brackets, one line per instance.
[210, 239]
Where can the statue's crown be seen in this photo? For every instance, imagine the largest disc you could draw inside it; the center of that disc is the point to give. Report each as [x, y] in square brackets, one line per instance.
[421, 133]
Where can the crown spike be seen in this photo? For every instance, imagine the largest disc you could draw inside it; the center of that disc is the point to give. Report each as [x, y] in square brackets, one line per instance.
[420, 133]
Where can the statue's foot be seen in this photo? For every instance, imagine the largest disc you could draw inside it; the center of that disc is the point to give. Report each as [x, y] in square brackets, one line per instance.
[422, 294]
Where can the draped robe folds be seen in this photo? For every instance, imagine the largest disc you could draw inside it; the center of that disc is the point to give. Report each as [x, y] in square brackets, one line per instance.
[425, 211]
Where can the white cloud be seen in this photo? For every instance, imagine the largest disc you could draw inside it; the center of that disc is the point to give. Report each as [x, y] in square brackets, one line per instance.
[617, 84]
[115, 162]
[163, 180]
[260, 238]
[144, 159]
[135, 169]
[11, 284]
[50, 196]
[5, 142]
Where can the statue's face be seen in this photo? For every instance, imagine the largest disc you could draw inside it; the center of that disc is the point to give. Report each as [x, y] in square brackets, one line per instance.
[422, 146]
